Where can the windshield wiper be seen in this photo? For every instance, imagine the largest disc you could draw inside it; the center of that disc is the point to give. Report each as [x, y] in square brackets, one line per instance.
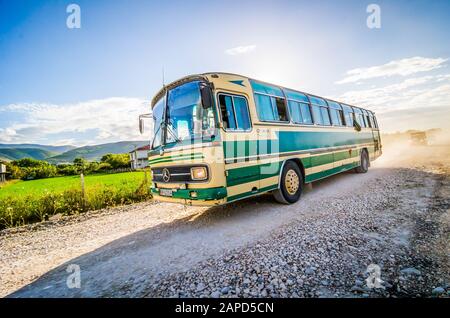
[171, 131]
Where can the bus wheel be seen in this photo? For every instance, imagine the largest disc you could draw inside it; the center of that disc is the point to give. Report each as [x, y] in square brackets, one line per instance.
[364, 163]
[291, 184]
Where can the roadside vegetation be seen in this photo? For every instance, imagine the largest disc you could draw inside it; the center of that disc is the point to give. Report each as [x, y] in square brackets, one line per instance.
[31, 169]
[37, 190]
[24, 202]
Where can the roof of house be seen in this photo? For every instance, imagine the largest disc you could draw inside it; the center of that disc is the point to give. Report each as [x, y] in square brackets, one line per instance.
[146, 147]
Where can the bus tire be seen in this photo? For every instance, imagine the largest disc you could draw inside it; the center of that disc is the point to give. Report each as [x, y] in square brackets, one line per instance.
[364, 162]
[291, 184]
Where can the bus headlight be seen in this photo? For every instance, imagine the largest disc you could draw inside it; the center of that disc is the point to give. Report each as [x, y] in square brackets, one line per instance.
[199, 173]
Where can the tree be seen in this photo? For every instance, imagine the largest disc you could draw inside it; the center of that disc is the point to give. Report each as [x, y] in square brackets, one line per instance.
[80, 164]
[67, 169]
[28, 168]
[116, 161]
[28, 163]
[15, 172]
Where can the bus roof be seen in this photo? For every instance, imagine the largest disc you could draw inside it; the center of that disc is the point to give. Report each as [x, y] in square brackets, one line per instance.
[204, 76]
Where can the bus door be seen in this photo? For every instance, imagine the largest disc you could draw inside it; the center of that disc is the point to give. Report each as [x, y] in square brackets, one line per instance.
[240, 144]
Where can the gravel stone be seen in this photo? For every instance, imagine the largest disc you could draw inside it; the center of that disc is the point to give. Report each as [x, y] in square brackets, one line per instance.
[396, 216]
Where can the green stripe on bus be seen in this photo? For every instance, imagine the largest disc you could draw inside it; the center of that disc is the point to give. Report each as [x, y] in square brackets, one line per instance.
[202, 194]
[251, 193]
[294, 141]
[256, 172]
[252, 173]
[312, 177]
[177, 157]
[341, 155]
[329, 172]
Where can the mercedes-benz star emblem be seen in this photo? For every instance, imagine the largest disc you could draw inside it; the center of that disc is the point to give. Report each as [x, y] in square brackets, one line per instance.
[166, 175]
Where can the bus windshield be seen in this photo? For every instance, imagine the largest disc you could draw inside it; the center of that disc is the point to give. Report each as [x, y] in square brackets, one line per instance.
[186, 118]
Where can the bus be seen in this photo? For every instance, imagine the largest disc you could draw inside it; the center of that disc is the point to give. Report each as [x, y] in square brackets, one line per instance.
[221, 137]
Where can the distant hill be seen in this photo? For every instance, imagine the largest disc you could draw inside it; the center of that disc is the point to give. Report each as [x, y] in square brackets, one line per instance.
[54, 149]
[19, 153]
[94, 153]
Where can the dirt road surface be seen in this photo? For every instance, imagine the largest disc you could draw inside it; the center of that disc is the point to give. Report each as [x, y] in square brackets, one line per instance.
[395, 218]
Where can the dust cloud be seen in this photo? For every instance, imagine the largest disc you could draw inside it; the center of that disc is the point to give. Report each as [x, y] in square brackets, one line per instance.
[401, 149]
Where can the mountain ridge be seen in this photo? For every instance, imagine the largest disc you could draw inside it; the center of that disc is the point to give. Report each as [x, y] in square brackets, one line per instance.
[66, 153]
[95, 152]
[10, 154]
[51, 148]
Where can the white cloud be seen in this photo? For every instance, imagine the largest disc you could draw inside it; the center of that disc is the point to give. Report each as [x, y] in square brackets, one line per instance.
[240, 50]
[419, 103]
[413, 93]
[89, 122]
[7, 134]
[403, 67]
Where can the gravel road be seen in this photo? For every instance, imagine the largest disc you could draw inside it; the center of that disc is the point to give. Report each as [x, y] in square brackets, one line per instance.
[395, 218]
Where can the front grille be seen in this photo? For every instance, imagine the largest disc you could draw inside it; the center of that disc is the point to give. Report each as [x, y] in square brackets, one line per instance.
[178, 174]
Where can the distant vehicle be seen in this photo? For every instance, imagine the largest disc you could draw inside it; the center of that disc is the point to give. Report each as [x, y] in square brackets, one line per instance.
[222, 137]
[419, 138]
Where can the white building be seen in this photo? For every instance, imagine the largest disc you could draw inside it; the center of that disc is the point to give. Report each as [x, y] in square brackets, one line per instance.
[139, 157]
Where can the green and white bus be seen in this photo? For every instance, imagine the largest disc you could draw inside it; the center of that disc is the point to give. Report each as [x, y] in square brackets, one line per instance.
[221, 137]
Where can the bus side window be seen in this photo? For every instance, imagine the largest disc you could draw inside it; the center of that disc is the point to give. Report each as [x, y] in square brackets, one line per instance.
[294, 111]
[363, 120]
[270, 102]
[365, 116]
[325, 116]
[369, 121]
[321, 116]
[359, 116]
[334, 117]
[348, 114]
[227, 112]
[234, 112]
[306, 113]
[264, 107]
[375, 122]
[242, 115]
[317, 115]
[300, 113]
[349, 118]
[270, 108]
[299, 109]
[281, 113]
[360, 120]
[337, 116]
[341, 116]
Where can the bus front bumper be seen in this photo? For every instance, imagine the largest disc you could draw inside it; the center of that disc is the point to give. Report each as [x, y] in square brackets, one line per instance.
[210, 196]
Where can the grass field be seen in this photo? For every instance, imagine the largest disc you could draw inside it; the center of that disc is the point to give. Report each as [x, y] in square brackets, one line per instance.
[23, 202]
[60, 184]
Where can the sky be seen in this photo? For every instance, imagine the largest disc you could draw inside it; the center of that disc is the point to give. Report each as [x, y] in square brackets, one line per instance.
[87, 85]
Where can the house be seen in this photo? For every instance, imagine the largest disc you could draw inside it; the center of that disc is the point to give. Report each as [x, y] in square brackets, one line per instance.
[2, 172]
[139, 157]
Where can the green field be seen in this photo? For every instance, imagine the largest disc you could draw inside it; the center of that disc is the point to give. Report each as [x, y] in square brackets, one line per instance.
[59, 184]
[23, 202]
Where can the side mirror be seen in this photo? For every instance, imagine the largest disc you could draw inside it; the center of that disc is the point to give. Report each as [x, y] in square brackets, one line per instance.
[141, 125]
[205, 92]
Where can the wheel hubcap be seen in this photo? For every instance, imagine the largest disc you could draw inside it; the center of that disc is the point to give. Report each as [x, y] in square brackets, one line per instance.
[292, 182]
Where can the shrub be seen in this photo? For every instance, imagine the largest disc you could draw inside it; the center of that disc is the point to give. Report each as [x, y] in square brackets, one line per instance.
[117, 160]
[20, 210]
[67, 170]
[27, 169]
